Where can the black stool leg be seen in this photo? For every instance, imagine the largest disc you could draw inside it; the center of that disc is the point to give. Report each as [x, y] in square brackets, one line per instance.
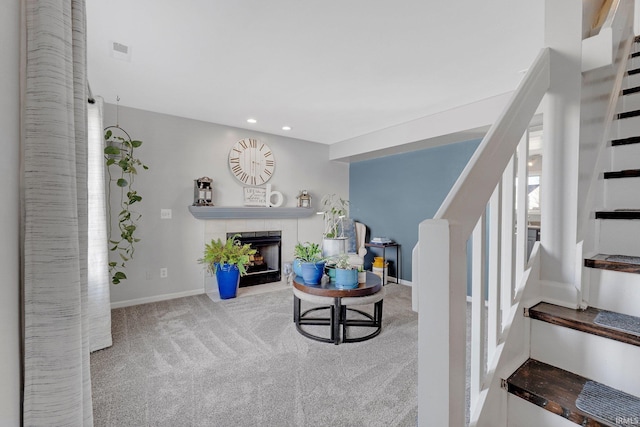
[336, 316]
[296, 310]
[343, 319]
[378, 313]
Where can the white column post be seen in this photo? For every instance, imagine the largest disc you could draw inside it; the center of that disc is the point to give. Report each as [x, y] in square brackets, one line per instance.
[441, 329]
[561, 135]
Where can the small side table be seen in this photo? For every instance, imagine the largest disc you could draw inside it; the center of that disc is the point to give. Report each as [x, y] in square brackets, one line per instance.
[384, 246]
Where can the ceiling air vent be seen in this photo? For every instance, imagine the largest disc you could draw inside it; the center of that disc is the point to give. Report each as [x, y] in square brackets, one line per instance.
[120, 51]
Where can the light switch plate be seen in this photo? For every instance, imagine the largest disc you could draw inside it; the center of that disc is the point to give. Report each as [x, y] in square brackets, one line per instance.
[165, 213]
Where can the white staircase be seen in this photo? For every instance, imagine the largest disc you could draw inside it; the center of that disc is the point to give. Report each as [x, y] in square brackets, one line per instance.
[567, 339]
[538, 339]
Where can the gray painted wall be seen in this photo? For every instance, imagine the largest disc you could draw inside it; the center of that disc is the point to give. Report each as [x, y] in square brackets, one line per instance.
[9, 212]
[180, 150]
[392, 195]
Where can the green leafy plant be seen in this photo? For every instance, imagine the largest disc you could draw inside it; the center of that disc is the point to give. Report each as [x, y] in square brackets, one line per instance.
[308, 252]
[230, 251]
[122, 167]
[334, 210]
[343, 263]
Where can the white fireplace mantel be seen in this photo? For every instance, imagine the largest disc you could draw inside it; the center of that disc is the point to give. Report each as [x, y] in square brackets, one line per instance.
[241, 212]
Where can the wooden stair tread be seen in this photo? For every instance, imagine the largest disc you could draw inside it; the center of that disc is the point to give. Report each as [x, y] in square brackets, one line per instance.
[635, 54]
[634, 71]
[627, 173]
[580, 320]
[550, 388]
[631, 90]
[619, 214]
[604, 262]
[629, 114]
[626, 141]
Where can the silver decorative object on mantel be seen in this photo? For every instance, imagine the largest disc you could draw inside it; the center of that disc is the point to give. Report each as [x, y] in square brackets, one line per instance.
[304, 199]
[203, 191]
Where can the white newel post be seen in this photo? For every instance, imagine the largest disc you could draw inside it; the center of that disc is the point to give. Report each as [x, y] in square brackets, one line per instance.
[561, 135]
[442, 336]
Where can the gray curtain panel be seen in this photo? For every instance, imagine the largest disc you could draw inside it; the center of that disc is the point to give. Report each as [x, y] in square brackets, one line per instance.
[98, 250]
[57, 381]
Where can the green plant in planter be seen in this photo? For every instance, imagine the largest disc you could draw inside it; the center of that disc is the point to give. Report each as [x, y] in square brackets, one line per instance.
[334, 210]
[308, 252]
[119, 154]
[343, 263]
[231, 252]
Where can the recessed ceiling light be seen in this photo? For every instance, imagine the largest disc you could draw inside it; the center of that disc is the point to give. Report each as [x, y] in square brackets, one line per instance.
[286, 127]
[252, 121]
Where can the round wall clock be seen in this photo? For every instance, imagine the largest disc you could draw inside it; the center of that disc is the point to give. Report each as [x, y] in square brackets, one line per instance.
[251, 161]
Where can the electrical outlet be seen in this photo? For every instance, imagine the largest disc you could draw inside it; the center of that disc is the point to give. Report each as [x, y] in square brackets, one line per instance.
[164, 273]
[165, 213]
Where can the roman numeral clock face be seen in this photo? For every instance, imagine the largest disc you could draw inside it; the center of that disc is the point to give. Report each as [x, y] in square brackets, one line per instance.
[251, 162]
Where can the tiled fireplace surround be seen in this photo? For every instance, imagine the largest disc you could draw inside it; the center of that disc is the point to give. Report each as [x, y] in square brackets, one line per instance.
[218, 229]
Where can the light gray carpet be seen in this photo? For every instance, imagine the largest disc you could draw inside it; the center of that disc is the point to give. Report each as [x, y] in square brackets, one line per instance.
[241, 362]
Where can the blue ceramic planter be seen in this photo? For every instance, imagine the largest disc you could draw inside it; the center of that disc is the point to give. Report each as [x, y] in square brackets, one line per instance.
[297, 267]
[312, 272]
[228, 277]
[346, 279]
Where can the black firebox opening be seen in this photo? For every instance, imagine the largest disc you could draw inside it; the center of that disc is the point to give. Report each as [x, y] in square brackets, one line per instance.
[265, 266]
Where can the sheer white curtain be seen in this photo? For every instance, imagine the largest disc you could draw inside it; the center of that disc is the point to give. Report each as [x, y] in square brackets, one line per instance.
[57, 381]
[97, 251]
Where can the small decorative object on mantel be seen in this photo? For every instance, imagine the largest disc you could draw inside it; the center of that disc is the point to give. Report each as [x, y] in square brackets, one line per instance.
[255, 196]
[304, 199]
[258, 196]
[202, 191]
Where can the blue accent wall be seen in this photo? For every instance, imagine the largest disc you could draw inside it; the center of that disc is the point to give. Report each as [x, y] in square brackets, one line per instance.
[393, 194]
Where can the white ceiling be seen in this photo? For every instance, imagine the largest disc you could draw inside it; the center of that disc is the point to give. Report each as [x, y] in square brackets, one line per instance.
[330, 69]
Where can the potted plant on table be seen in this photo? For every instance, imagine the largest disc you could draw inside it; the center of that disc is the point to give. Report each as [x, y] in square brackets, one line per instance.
[228, 261]
[311, 262]
[334, 211]
[346, 274]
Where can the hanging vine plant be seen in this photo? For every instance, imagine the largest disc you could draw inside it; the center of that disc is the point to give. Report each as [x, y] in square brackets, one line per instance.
[122, 167]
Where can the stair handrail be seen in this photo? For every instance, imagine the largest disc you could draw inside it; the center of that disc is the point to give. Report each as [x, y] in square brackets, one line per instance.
[470, 194]
[442, 252]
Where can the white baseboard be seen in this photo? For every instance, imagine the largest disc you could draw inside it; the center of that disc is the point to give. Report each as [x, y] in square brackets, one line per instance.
[155, 298]
[401, 281]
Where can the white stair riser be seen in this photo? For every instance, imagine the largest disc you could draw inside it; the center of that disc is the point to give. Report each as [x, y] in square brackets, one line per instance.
[624, 128]
[622, 193]
[625, 156]
[629, 103]
[600, 359]
[619, 237]
[631, 81]
[633, 63]
[521, 413]
[614, 291]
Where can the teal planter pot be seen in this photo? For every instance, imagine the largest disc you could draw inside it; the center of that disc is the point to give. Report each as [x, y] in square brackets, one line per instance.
[331, 272]
[228, 277]
[312, 272]
[346, 279]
